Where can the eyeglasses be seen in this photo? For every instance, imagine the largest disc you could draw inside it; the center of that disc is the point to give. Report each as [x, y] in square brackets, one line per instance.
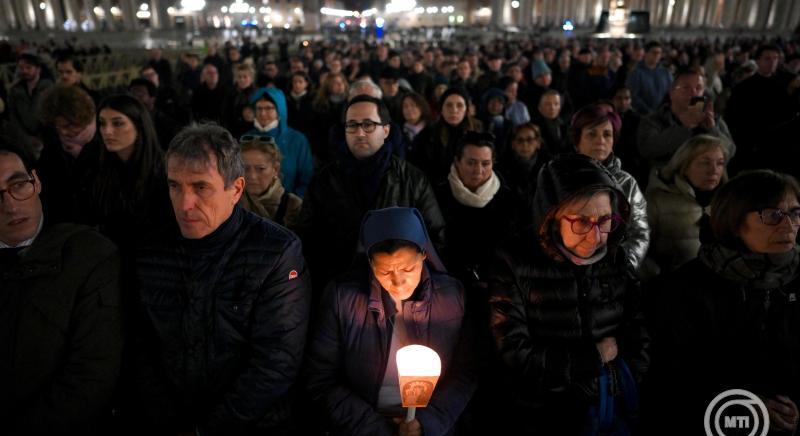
[266, 108]
[19, 191]
[526, 139]
[368, 126]
[258, 138]
[772, 216]
[583, 225]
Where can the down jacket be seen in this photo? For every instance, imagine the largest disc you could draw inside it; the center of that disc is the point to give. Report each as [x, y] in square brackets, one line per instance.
[60, 333]
[225, 320]
[637, 237]
[547, 314]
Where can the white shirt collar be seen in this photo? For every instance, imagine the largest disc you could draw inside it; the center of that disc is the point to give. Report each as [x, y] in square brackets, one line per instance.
[27, 242]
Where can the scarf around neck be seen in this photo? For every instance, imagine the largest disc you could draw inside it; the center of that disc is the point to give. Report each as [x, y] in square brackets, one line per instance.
[273, 124]
[75, 144]
[582, 261]
[761, 271]
[481, 197]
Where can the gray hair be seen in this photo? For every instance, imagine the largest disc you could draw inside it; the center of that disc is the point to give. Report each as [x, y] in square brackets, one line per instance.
[692, 148]
[360, 86]
[196, 142]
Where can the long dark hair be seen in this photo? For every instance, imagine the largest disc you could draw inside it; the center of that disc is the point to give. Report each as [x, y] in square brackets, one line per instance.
[132, 181]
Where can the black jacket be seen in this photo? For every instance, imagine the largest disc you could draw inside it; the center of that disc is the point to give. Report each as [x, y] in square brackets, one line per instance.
[60, 333]
[548, 313]
[711, 334]
[333, 210]
[225, 321]
[348, 355]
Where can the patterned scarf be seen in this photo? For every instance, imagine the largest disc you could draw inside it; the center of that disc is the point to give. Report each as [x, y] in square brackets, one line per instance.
[759, 271]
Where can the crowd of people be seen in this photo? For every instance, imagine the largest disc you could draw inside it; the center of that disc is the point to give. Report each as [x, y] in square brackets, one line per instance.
[240, 243]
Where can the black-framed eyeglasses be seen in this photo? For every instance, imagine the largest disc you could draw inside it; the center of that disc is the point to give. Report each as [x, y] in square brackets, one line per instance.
[367, 126]
[20, 190]
[583, 225]
[772, 216]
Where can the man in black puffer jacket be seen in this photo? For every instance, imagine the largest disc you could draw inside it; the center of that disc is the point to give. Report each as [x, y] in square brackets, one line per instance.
[225, 304]
[366, 176]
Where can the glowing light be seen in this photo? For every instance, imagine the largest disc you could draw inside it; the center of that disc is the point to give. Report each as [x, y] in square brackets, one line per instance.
[515, 4]
[336, 12]
[224, 9]
[342, 25]
[252, 10]
[193, 5]
[305, 43]
[277, 18]
[568, 26]
[460, 19]
[348, 22]
[100, 12]
[238, 7]
[172, 11]
[484, 12]
[144, 7]
[269, 26]
[369, 12]
[143, 15]
[298, 11]
[42, 5]
[379, 22]
[400, 6]
[419, 361]
[262, 10]
[287, 26]
[419, 10]
[451, 19]
[432, 10]
[363, 24]
[115, 11]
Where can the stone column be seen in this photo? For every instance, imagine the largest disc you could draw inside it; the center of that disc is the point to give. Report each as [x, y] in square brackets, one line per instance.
[311, 16]
[497, 14]
[129, 14]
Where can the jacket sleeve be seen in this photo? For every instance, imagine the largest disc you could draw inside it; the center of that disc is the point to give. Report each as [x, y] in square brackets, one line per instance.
[344, 410]
[634, 342]
[88, 376]
[425, 202]
[455, 389]
[280, 322]
[637, 240]
[305, 165]
[537, 365]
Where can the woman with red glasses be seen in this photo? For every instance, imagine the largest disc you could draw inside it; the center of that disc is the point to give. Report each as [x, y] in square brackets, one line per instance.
[564, 306]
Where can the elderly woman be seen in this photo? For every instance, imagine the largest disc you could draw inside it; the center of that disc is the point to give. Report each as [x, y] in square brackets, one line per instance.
[297, 168]
[473, 197]
[730, 318]
[396, 295]
[593, 131]
[563, 305]
[264, 193]
[678, 199]
[71, 150]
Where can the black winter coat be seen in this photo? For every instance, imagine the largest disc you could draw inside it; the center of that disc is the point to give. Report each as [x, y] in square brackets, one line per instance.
[711, 334]
[225, 320]
[60, 333]
[333, 209]
[348, 355]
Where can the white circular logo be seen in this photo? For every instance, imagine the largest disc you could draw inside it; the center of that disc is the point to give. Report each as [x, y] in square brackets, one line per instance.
[734, 412]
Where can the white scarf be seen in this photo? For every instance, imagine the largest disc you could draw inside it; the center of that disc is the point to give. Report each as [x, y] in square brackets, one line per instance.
[266, 128]
[481, 197]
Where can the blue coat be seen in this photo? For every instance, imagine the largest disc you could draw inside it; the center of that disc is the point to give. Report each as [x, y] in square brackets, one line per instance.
[297, 165]
[348, 354]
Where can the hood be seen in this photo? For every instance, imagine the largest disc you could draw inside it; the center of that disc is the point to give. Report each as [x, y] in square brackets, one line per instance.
[564, 178]
[278, 99]
[483, 110]
[404, 223]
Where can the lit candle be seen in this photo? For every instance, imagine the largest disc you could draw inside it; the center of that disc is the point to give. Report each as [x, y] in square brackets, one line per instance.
[418, 368]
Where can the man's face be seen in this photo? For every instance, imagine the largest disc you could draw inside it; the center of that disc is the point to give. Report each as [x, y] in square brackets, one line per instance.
[363, 144]
[463, 70]
[390, 87]
[297, 66]
[271, 70]
[394, 62]
[686, 87]
[653, 56]
[19, 219]
[200, 200]
[151, 75]
[210, 76]
[768, 62]
[495, 64]
[67, 74]
[141, 94]
[622, 101]
[398, 273]
[27, 72]
[550, 106]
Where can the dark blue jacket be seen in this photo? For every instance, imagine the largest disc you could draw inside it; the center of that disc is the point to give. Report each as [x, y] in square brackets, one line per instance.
[225, 321]
[348, 354]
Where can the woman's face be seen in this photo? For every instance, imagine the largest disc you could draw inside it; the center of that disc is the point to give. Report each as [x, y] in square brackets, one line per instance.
[595, 209]
[243, 79]
[763, 238]
[705, 171]
[598, 141]
[299, 85]
[526, 143]
[337, 86]
[411, 112]
[266, 112]
[474, 167]
[118, 132]
[454, 109]
[398, 273]
[260, 171]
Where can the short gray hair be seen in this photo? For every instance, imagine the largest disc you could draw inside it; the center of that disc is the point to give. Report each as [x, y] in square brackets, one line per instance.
[693, 147]
[356, 89]
[196, 142]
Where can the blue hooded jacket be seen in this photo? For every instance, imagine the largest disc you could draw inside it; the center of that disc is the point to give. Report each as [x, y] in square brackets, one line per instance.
[350, 350]
[297, 165]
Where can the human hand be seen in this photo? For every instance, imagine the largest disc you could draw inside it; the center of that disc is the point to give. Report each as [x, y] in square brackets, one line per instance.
[708, 121]
[691, 118]
[783, 414]
[413, 428]
[607, 348]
